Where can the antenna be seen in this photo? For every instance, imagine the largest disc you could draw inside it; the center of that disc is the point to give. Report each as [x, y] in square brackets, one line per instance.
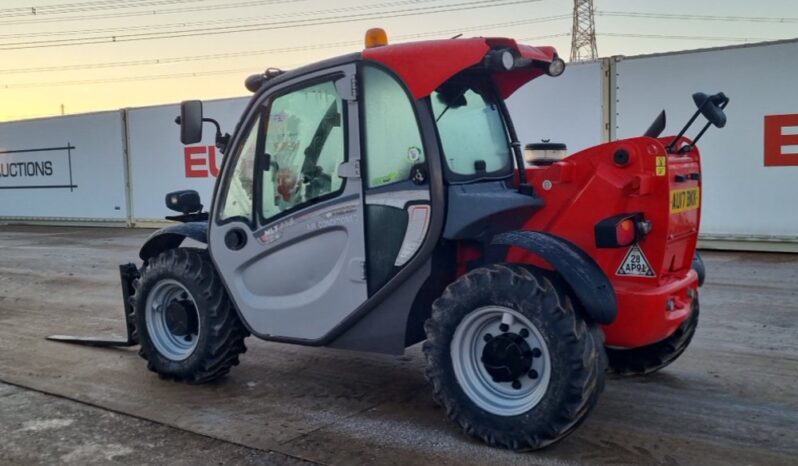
[583, 34]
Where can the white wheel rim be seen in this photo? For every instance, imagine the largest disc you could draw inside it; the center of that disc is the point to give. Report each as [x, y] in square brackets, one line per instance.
[167, 343]
[468, 346]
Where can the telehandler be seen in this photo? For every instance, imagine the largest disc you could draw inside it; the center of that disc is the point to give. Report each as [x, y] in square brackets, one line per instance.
[379, 199]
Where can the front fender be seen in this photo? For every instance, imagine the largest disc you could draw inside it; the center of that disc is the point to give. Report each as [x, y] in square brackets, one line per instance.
[586, 279]
[172, 237]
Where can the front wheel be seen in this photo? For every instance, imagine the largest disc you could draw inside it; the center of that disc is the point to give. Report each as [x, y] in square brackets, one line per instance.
[510, 359]
[186, 325]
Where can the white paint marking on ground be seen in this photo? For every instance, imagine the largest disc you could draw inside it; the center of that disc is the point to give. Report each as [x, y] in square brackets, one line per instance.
[90, 451]
[46, 424]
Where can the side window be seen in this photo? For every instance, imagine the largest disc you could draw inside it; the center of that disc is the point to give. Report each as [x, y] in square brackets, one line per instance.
[471, 129]
[393, 142]
[305, 142]
[238, 195]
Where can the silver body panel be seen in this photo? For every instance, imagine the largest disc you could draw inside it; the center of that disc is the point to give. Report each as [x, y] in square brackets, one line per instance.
[301, 275]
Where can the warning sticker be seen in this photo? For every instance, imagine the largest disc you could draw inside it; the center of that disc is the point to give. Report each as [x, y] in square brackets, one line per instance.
[662, 164]
[635, 264]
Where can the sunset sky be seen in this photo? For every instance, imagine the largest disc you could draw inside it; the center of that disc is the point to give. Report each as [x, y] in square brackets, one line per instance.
[90, 55]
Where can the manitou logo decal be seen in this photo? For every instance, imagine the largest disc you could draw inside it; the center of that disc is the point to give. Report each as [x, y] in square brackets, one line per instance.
[201, 161]
[781, 140]
[37, 168]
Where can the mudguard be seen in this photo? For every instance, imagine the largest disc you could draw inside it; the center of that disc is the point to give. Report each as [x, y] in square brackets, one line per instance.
[172, 236]
[588, 282]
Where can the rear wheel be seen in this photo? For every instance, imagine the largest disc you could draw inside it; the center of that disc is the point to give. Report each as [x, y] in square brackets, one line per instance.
[651, 358]
[510, 359]
[186, 324]
[698, 266]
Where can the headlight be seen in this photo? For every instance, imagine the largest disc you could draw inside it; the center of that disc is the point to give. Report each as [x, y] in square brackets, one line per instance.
[500, 60]
[507, 60]
[556, 67]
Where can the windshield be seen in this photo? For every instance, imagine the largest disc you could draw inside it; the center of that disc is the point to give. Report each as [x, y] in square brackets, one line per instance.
[471, 129]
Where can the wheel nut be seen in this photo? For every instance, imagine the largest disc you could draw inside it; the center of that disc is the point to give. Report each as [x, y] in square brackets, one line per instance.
[487, 337]
[536, 352]
[504, 327]
[516, 385]
[524, 333]
[533, 374]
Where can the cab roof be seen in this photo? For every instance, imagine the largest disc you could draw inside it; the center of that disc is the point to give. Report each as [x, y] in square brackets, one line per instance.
[425, 65]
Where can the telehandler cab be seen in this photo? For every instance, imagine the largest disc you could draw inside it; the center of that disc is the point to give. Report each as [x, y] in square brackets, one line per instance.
[379, 199]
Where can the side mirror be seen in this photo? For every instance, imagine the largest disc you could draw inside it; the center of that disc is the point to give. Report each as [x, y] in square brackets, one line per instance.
[190, 121]
[186, 201]
[711, 106]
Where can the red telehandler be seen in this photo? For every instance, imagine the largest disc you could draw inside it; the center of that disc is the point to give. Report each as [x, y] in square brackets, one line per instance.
[379, 199]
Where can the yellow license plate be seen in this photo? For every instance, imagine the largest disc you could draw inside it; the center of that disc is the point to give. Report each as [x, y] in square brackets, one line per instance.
[685, 199]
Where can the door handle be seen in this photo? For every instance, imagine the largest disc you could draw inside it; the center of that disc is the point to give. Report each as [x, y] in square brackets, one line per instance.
[235, 239]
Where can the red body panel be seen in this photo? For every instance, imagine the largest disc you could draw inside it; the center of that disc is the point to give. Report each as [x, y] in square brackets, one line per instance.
[583, 190]
[588, 187]
[425, 65]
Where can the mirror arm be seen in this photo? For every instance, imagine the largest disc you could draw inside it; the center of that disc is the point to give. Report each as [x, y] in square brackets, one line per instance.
[669, 147]
[689, 147]
[215, 123]
[221, 140]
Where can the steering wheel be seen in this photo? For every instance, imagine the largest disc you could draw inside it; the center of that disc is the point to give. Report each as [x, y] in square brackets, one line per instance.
[711, 106]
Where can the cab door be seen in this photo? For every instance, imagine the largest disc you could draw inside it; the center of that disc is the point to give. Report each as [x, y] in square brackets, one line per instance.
[396, 179]
[287, 225]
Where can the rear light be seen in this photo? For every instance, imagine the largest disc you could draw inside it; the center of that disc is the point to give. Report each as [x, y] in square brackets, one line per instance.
[643, 227]
[625, 233]
[621, 230]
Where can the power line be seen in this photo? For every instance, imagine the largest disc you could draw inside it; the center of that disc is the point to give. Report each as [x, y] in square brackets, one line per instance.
[690, 17]
[265, 26]
[195, 74]
[680, 37]
[247, 53]
[215, 22]
[188, 74]
[85, 6]
[148, 13]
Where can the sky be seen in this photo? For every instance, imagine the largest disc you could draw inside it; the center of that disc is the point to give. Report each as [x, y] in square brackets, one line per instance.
[80, 56]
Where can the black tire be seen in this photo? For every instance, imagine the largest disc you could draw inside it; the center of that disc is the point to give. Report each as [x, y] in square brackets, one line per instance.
[575, 347]
[701, 270]
[651, 358]
[221, 333]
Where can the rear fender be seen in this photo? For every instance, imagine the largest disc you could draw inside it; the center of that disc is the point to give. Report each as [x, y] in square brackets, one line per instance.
[586, 279]
[172, 237]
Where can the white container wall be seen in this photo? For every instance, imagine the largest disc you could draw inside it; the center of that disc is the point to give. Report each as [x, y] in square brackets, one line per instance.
[117, 166]
[66, 168]
[750, 181]
[568, 109]
[160, 163]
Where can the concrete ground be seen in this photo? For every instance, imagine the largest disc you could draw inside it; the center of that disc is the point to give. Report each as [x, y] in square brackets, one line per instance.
[730, 399]
[37, 428]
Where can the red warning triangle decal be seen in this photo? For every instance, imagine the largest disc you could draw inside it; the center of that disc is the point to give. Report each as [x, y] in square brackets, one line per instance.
[635, 264]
